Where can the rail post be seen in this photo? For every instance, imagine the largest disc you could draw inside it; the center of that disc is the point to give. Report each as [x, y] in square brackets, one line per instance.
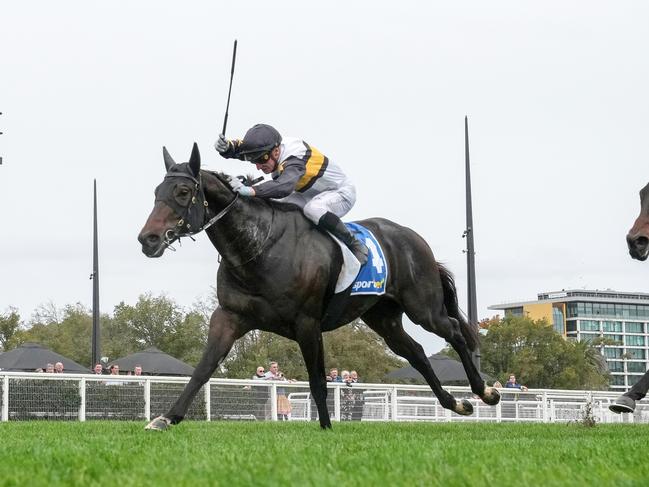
[208, 402]
[147, 399]
[337, 403]
[273, 402]
[544, 398]
[82, 394]
[393, 404]
[5, 398]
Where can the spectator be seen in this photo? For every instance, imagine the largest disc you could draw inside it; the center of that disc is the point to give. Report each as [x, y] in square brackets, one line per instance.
[39, 370]
[354, 375]
[50, 368]
[512, 384]
[333, 376]
[114, 370]
[98, 369]
[58, 368]
[346, 397]
[283, 404]
[137, 370]
[498, 385]
[260, 373]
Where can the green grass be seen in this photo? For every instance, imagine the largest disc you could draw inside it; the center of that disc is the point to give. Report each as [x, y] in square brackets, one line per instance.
[121, 454]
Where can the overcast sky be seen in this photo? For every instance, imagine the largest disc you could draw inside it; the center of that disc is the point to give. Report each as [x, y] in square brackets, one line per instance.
[556, 95]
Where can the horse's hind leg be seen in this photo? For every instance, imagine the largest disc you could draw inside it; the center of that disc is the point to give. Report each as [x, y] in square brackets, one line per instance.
[309, 338]
[385, 319]
[224, 330]
[436, 320]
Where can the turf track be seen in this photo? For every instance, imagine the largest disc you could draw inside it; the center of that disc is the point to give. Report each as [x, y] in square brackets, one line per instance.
[120, 454]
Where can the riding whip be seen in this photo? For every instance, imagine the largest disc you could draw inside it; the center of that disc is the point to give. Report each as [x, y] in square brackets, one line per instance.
[227, 106]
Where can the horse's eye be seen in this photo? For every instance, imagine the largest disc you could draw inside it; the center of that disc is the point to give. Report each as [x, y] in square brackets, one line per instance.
[183, 192]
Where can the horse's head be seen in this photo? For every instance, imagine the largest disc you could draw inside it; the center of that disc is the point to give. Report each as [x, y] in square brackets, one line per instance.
[638, 237]
[180, 206]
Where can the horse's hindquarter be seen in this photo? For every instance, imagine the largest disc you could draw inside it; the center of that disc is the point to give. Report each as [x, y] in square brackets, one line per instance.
[410, 261]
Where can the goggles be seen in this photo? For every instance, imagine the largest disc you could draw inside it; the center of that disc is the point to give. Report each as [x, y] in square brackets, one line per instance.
[257, 158]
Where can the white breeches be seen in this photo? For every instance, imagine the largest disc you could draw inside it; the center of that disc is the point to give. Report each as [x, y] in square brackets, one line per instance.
[338, 202]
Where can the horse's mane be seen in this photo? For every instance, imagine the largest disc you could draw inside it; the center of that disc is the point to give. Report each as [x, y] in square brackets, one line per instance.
[248, 180]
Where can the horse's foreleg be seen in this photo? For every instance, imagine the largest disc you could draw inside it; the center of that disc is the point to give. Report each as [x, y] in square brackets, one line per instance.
[224, 330]
[385, 319]
[309, 338]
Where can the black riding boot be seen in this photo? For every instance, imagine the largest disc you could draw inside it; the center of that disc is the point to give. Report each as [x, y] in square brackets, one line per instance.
[337, 228]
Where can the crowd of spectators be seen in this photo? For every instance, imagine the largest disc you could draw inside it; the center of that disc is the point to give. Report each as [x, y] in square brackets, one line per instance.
[56, 368]
[346, 376]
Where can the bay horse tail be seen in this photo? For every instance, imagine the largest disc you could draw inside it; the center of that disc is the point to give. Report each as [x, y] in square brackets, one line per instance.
[469, 330]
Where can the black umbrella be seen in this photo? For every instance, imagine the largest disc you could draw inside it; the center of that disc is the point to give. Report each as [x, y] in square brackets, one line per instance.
[154, 362]
[447, 370]
[31, 356]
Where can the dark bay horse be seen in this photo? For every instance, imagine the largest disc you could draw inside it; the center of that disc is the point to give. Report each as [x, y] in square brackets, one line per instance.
[638, 242]
[277, 274]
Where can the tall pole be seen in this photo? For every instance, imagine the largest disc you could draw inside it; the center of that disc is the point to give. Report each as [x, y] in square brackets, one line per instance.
[470, 251]
[96, 332]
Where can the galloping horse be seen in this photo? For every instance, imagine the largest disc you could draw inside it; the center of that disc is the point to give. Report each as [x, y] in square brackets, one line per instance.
[278, 273]
[638, 242]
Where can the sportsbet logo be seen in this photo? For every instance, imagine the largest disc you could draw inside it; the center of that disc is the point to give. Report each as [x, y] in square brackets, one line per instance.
[368, 285]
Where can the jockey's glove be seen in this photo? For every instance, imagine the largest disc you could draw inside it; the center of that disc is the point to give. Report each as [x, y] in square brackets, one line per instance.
[239, 187]
[222, 144]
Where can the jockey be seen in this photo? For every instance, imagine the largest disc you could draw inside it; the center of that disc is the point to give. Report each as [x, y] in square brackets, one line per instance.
[300, 175]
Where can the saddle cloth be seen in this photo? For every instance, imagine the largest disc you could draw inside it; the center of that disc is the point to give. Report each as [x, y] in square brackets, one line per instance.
[372, 277]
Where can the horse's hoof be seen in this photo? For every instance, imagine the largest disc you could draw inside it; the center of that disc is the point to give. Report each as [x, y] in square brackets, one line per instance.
[623, 404]
[463, 408]
[491, 396]
[158, 424]
[325, 427]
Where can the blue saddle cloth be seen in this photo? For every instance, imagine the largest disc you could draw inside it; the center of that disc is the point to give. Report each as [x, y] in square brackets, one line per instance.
[373, 275]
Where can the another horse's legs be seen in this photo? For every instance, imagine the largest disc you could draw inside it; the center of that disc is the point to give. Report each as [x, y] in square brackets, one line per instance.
[385, 319]
[626, 402]
[224, 330]
[309, 338]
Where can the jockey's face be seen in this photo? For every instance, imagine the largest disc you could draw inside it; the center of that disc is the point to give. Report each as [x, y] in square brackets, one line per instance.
[271, 164]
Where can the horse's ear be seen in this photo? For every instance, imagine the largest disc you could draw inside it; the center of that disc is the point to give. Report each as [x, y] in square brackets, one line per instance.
[169, 162]
[195, 160]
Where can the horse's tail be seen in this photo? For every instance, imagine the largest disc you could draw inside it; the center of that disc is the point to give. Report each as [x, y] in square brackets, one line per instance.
[469, 330]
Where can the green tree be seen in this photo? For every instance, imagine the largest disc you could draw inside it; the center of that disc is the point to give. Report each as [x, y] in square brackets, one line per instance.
[67, 331]
[539, 356]
[10, 326]
[156, 321]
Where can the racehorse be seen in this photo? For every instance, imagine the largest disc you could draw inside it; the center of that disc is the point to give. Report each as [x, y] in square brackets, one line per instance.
[638, 242]
[278, 272]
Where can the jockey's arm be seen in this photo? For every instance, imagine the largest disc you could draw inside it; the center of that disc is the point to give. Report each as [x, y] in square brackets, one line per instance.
[285, 183]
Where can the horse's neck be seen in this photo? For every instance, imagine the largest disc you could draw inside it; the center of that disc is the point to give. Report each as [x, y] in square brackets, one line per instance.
[240, 235]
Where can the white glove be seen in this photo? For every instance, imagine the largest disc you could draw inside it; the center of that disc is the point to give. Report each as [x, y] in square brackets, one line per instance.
[235, 184]
[222, 144]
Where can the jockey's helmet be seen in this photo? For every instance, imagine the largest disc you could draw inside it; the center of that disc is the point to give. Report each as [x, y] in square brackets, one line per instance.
[258, 142]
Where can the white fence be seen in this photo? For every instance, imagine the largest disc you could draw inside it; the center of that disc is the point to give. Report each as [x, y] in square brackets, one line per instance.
[30, 396]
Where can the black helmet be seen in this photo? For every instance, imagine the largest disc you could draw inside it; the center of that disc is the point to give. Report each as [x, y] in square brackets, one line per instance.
[259, 140]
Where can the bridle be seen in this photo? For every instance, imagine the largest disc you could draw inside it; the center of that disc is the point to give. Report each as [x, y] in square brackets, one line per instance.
[190, 222]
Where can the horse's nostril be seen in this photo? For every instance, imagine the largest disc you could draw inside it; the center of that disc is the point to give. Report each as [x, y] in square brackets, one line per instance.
[152, 239]
[641, 242]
